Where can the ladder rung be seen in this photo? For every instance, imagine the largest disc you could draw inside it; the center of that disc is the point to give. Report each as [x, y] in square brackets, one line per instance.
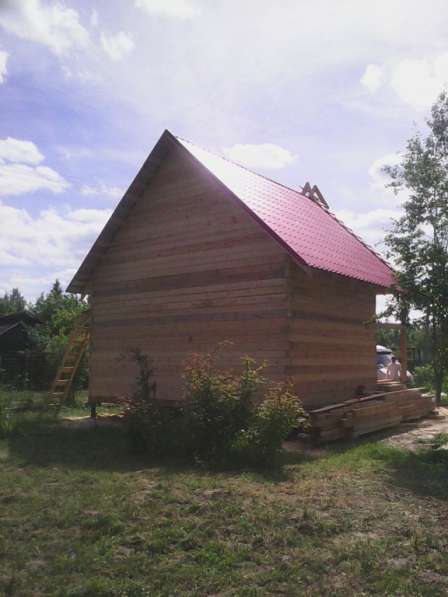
[61, 382]
[57, 394]
[67, 369]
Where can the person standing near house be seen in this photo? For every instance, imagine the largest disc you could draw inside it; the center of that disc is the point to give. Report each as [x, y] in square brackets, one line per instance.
[394, 370]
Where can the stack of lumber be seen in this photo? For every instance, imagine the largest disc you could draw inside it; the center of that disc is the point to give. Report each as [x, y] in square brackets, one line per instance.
[388, 385]
[357, 417]
[412, 411]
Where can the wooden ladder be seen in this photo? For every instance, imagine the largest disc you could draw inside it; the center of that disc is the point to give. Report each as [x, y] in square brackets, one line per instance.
[76, 347]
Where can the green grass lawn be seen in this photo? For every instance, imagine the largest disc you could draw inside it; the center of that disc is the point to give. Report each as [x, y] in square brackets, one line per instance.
[82, 516]
[76, 408]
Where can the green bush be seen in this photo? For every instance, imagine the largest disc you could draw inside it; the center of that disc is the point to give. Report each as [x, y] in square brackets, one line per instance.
[424, 377]
[224, 418]
[218, 404]
[273, 419]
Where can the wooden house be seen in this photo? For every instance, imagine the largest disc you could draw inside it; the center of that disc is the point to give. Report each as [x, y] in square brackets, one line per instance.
[201, 250]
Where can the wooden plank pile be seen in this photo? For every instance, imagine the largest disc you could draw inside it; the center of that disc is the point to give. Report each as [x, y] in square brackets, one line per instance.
[388, 385]
[357, 417]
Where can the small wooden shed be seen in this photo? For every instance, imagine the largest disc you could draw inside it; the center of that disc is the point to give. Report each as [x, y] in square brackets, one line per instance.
[201, 250]
[14, 335]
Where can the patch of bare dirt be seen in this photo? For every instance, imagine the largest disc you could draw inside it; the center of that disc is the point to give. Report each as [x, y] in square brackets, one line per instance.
[414, 436]
[89, 422]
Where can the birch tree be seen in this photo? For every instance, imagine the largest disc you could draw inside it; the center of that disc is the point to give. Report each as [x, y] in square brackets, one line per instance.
[418, 241]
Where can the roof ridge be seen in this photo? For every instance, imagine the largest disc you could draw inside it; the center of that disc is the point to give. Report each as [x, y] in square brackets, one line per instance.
[325, 209]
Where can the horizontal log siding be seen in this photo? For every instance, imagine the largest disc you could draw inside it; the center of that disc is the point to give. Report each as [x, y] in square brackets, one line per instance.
[187, 270]
[332, 350]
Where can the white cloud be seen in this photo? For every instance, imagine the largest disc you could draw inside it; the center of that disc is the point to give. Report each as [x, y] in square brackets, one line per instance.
[419, 82]
[373, 77]
[74, 153]
[16, 150]
[380, 194]
[90, 216]
[102, 190]
[181, 9]
[3, 70]
[264, 155]
[49, 239]
[80, 74]
[416, 82]
[16, 179]
[53, 25]
[94, 18]
[36, 249]
[117, 46]
[19, 172]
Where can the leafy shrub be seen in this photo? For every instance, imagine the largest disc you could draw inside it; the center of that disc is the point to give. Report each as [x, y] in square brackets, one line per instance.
[278, 414]
[218, 404]
[424, 377]
[224, 418]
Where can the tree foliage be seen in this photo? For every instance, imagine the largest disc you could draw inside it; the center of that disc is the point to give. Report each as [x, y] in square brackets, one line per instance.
[57, 312]
[418, 241]
[12, 302]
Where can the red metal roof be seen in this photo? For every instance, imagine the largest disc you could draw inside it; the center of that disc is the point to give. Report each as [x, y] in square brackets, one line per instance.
[310, 232]
[307, 230]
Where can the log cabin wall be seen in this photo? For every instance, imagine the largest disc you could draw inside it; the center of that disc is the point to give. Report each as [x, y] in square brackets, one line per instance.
[332, 350]
[189, 268]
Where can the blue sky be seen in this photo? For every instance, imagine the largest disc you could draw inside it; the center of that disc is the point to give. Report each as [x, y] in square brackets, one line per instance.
[323, 91]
